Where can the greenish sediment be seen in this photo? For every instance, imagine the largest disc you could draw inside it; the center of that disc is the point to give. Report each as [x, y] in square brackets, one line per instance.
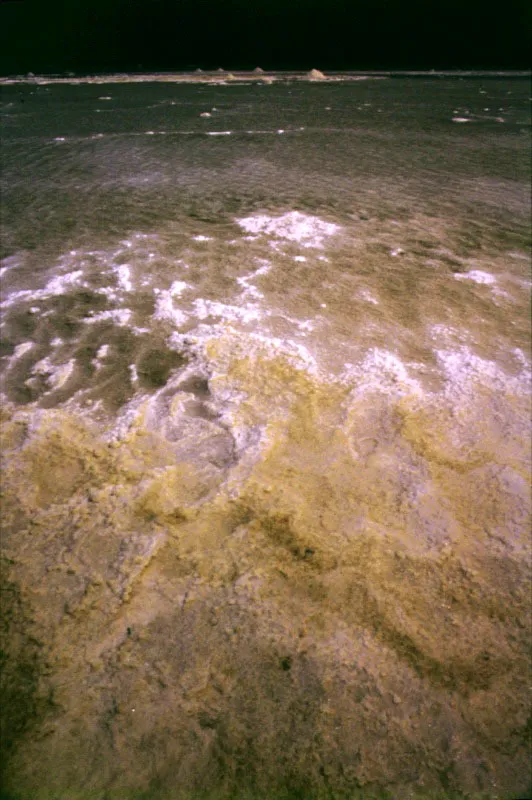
[342, 613]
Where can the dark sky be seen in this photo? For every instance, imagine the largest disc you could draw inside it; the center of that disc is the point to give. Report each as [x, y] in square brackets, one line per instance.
[82, 36]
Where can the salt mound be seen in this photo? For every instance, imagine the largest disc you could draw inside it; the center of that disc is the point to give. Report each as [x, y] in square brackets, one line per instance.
[258, 69]
[316, 75]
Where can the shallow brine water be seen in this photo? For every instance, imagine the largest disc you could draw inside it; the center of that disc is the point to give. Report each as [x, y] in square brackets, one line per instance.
[265, 356]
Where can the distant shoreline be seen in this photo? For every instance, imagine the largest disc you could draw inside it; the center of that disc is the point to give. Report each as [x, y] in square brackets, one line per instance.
[234, 77]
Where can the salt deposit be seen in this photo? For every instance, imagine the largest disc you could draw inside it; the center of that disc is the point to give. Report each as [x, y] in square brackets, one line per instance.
[231, 313]
[120, 316]
[477, 276]
[124, 277]
[293, 226]
[164, 303]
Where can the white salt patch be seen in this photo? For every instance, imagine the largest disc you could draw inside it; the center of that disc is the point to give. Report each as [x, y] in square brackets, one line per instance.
[306, 325]
[164, 304]
[56, 375]
[280, 130]
[22, 349]
[59, 139]
[124, 277]
[58, 285]
[397, 251]
[366, 295]
[463, 369]
[381, 371]
[62, 283]
[56, 342]
[7, 264]
[102, 351]
[178, 287]
[201, 238]
[444, 334]
[121, 316]
[105, 98]
[61, 374]
[219, 133]
[323, 305]
[294, 226]
[134, 374]
[42, 367]
[477, 276]
[211, 308]
[299, 258]
[164, 309]
[461, 119]
[518, 353]
[245, 281]
[109, 292]
[205, 114]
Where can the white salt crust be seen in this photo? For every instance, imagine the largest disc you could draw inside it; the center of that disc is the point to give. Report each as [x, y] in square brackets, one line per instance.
[294, 226]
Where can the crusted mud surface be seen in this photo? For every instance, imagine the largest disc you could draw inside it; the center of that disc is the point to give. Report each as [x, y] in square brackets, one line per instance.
[298, 619]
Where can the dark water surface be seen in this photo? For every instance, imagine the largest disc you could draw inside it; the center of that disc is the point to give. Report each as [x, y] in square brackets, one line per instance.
[265, 432]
